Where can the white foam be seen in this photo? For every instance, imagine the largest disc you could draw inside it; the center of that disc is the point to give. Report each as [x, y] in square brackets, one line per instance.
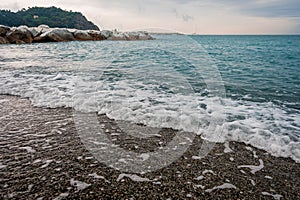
[224, 186]
[145, 156]
[79, 184]
[249, 148]
[62, 196]
[30, 187]
[268, 177]
[208, 171]
[96, 176]
[47, 163]
[157, 183]
[275, 196]
[28, 149]
[199, 178]
[227, 148]
[200, 186]
[137, 98]
[254, 168]
[2, 166]
[133, 177]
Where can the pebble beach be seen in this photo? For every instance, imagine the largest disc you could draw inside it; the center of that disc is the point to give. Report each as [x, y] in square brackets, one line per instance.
[42, 157]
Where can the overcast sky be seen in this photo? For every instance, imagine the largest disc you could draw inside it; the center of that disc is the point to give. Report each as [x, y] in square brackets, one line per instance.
[186, 16]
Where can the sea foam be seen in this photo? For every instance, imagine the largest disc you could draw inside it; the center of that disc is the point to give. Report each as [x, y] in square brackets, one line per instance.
[138, 85]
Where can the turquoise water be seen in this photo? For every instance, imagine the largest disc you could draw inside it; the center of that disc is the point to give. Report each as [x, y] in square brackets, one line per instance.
[266, 68]
[247, 86]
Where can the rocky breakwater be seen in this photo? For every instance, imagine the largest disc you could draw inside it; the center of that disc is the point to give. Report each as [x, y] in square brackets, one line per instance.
[43, 33]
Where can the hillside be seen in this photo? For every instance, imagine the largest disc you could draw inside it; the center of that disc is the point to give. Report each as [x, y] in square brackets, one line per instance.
[52, 16]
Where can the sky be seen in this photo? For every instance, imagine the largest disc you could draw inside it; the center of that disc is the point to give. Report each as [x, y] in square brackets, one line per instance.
[184, 16]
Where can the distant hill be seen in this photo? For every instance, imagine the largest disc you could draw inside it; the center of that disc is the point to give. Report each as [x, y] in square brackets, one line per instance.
[52, 16]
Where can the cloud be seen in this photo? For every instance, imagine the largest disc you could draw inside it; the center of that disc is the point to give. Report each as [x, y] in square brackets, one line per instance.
[188, 16]
[11, 6]
[287, 8]
[296, 28]
[263, 8]
[184, 17]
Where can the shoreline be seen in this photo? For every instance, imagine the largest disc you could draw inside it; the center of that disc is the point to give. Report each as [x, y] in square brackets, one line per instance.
[43, 156]
[45, 34]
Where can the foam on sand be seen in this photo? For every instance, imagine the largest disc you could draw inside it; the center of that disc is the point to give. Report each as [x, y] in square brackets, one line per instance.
[224, 186]
[79, 184]
[133, 177]
[254, 168]
[2, 166]
[96, 176]
[275, 196]
[28, 149]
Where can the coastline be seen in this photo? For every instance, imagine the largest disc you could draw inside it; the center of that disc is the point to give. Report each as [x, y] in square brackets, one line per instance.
[43, 33]
[43, 156]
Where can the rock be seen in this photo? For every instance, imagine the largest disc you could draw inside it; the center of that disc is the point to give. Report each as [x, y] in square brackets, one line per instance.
[35, 31]
[3, 40]
[82, 35]
[72, 30]
[96, 35]
[107, 33]
[39, 39]
[60, 35]
[20, 33]
[3, 30]
[118, 36]
[42, 33]
[20, 42]
[144, 36]
[23, 27]
[43, 26]
[55, 35]
[130, 36]
[139, 36]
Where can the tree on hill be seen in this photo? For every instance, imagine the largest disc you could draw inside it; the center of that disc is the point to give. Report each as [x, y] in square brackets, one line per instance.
[52, 16]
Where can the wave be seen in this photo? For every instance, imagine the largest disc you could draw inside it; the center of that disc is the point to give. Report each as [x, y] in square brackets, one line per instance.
[163, 104]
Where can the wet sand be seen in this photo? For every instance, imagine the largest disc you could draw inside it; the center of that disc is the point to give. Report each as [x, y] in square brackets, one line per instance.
[42, 157]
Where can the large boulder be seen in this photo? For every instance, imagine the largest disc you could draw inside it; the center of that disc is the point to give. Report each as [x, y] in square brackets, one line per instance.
[118, 36]
[42, 33]
[72, 30]
[82, 35]
[20, 33]
[144, 36]
[4, 30]
[37, 31]
[43, 26]
[141, 35]
[3, 40]
[60, 35]
[107, 33]
[55, 35]
[96, 35]
[20, 42]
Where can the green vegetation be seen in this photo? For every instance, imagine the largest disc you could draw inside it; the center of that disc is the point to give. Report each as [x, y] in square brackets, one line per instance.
[52, 16]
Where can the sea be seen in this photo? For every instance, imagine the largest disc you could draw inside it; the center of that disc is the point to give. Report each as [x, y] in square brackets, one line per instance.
[243, 88]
